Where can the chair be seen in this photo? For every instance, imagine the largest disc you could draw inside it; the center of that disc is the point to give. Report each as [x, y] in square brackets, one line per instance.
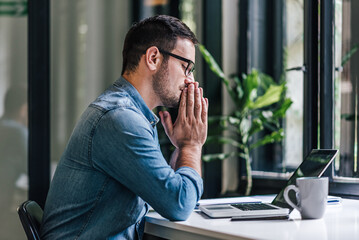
[30, 214]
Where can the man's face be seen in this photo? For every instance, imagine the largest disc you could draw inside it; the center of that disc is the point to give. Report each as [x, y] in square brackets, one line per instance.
[169, 80]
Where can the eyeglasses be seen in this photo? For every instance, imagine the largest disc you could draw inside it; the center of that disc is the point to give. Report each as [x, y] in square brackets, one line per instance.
[190, 65]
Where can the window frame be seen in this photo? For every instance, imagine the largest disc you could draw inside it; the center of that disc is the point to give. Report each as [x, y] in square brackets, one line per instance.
[39, 99]
[212, 39]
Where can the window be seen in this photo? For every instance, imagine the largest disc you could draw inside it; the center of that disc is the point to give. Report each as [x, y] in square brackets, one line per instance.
[347, 89]
[276, 48]
[277, 30]
[306, 62]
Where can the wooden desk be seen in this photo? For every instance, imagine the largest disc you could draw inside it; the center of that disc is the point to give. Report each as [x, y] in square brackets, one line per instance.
[339, 222]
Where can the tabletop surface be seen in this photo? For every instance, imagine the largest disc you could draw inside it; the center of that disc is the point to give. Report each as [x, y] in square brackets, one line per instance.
[340, 221]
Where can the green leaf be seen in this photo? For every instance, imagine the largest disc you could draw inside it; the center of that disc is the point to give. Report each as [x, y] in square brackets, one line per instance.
[250, 84]
[224, 120]
[347, 56]
[272, 95]
[280, 112]
[257, 126]
[266, 115]
[223, 140]
[238, 87]
[244, 129]
[271, 125]
[234, 121]
[349, 116]
[216, 69]
[265, 81]
[215, 119]
[217, 156]
[211, 62]
[273, 137]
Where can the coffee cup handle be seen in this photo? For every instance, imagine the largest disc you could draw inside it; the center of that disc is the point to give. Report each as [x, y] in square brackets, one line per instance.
[286, 197]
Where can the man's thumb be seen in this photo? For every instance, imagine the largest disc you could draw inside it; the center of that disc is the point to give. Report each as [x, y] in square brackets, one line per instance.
[166, 121]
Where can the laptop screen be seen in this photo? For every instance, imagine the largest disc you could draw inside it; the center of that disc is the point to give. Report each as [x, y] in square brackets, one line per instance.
[313, 165]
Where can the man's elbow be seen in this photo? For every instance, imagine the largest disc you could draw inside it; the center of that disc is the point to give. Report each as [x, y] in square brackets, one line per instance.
[179, 213]
[179, 209]
[181, 203]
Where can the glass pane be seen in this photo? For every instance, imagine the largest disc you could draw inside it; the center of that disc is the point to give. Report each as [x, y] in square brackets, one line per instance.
[294, 57]
[188, 14]
[13, 119]
[346, 86]
[287, 155]
[86, 46]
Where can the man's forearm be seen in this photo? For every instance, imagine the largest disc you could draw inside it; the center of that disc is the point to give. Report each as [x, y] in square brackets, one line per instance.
[174, 158]
[188, 157]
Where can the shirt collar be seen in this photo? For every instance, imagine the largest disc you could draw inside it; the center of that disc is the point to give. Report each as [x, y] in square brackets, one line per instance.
[137, 100]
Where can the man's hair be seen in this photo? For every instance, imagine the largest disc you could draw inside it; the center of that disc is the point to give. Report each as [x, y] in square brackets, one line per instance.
[161, 31]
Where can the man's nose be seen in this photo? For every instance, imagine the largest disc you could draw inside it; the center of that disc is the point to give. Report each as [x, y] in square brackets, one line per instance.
[189, 78]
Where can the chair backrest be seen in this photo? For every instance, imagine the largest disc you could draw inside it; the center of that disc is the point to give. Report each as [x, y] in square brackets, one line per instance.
[30, 214]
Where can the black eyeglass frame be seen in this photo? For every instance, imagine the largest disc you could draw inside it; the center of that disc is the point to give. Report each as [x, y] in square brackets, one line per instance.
[188, 70]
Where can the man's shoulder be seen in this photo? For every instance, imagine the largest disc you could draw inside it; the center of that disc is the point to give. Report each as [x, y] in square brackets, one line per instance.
[125, 116]
[110, 100]
[117, 107]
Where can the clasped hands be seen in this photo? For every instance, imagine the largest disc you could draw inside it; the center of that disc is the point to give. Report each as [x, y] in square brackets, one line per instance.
[190, 128]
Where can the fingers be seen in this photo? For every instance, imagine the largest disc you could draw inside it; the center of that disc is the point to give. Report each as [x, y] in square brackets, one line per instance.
[198, 103]
[182, 105]
[196, 85]
[193, 104]
[190, 100]
[166, 121]
[190, 128]
[204, 114]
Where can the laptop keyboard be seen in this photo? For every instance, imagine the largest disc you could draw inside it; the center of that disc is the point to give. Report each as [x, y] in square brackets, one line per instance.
[252, 206]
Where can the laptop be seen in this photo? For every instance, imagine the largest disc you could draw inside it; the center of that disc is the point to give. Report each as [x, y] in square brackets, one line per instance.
[313, 165]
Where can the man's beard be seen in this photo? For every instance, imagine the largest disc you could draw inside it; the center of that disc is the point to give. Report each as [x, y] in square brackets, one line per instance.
[161, 86]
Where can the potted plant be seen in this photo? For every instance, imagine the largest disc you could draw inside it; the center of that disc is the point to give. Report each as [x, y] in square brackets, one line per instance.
[260, 104]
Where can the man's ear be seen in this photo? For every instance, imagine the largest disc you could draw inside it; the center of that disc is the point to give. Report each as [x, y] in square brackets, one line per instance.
[153, 58]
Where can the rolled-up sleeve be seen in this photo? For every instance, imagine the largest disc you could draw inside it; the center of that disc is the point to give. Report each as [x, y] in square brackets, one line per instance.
[192, 182]
[125, 147]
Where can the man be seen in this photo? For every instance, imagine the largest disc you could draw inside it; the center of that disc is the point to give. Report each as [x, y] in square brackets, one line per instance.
[112, 167]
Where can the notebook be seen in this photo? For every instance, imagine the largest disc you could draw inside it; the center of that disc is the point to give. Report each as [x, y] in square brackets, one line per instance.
[313, 165]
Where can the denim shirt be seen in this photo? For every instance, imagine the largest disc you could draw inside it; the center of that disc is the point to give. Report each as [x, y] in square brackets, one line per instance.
[112, 168]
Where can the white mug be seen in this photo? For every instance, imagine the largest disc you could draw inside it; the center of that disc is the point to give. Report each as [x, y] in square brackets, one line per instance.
[311, 194]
